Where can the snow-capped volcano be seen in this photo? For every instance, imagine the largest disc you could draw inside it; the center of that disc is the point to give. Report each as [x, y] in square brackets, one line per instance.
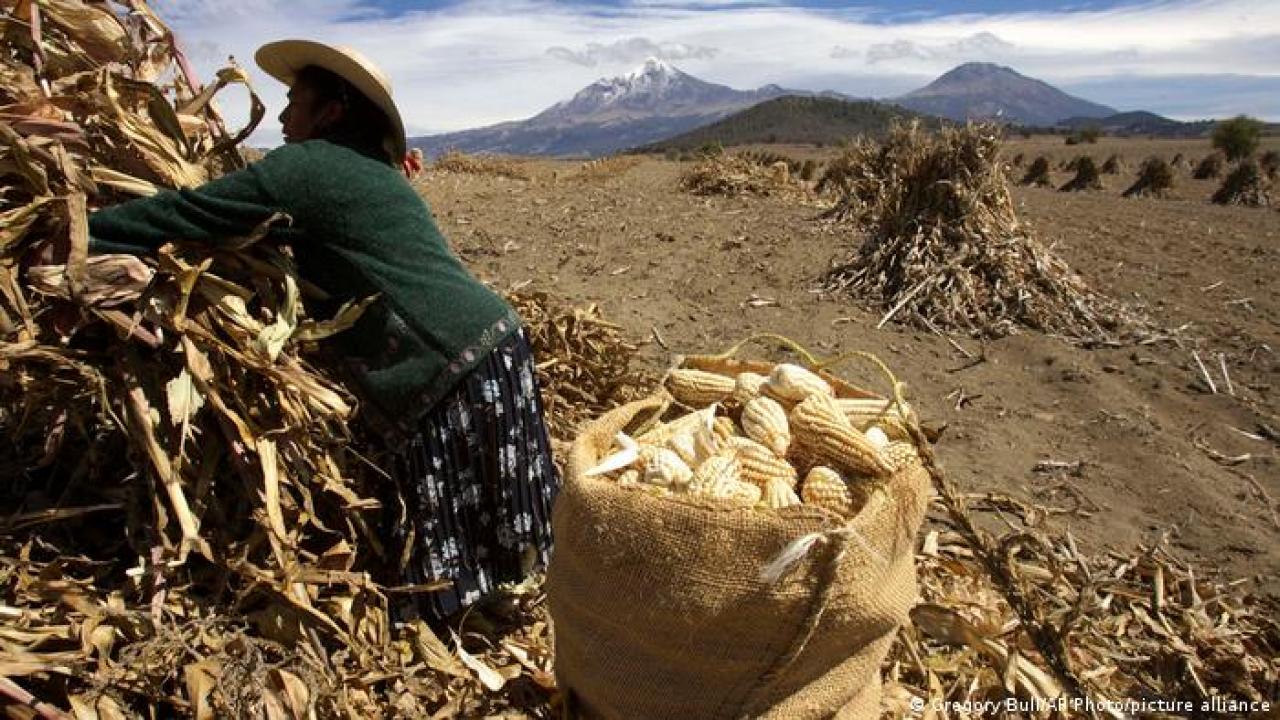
[654, 101]
[654, 88]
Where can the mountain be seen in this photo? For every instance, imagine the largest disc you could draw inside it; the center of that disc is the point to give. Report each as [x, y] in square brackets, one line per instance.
[792, 119]
[1140, 123]
[982, 91]
[654, 102]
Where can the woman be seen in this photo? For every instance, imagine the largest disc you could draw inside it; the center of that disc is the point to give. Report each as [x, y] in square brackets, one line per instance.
[440, 362]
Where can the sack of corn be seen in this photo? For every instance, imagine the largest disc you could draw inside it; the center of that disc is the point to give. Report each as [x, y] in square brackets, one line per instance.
[738, 545]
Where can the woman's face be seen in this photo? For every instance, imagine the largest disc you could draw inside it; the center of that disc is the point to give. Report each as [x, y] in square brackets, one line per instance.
[307, 115]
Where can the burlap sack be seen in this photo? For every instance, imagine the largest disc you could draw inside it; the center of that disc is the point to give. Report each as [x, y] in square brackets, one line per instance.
[660, 610]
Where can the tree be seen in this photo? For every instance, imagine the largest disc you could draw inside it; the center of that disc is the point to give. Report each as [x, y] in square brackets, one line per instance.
[1238, 137]
[1088, 135]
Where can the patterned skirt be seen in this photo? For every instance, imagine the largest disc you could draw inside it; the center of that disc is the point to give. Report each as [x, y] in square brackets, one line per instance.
[479, 482]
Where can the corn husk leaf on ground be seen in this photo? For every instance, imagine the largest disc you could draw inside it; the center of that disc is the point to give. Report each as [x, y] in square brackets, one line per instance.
[1122, 627]
[945, 250]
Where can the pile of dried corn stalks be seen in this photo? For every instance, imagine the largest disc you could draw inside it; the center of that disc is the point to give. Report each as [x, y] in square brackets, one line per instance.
[584, 361]
[734, 175]
[189, 529]
[459, 163]
[607, 167]
[945, 250]
[1247, 184]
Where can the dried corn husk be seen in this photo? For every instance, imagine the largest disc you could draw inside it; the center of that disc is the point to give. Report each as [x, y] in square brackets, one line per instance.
[167, 408]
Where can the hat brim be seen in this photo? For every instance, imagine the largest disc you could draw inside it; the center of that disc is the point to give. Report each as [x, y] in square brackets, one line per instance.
[283, 60]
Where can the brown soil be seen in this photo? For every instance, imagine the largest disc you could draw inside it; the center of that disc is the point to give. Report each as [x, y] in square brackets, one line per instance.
[663, 263]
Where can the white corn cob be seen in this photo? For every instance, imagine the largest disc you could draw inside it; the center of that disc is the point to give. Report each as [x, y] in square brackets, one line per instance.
[664, 468]
[683, 444]
[823, 434]
[825, 488]
[764, 421]
[705, 445]
[872, 406]
[899, 455]
[747, 386]
[780, 493]
[760, 465]
[689, 422]
[698, 388]
[724, 428]
[795, 383]
[862, 413]
[736, 490]
[714, 470]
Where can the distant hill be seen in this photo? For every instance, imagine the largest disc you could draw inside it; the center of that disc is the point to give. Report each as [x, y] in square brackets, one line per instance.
[1145, 123]
[984, 91]
[654, 102]
[1138, 122]
[792, 119]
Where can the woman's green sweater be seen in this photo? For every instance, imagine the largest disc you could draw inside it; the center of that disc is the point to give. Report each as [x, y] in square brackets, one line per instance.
[357, 228]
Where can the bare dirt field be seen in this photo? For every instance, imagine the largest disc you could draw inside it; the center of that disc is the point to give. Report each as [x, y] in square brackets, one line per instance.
[1158, 453]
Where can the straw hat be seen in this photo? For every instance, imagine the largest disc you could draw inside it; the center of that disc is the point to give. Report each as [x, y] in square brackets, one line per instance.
[283, 59]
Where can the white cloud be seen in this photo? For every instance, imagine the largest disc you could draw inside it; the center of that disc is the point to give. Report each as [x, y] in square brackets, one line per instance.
[631, 50]
[979, 46]
[485, 61]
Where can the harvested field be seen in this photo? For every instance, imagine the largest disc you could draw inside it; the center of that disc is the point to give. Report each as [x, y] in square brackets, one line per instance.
[1126, 447]
[682, 273]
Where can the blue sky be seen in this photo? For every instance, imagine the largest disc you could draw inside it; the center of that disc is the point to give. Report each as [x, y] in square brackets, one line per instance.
[460, 64]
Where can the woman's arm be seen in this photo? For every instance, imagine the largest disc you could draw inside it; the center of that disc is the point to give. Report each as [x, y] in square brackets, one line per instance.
[229, 207]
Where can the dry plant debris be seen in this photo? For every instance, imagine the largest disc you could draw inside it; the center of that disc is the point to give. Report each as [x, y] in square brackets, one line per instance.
[1025, 616]
[584, 361]
[460, 163]
[945, 250]
[1246, 185]
[193, 529]
[606, 167]
[849, 179]
[738, 175]
[1155, 179]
